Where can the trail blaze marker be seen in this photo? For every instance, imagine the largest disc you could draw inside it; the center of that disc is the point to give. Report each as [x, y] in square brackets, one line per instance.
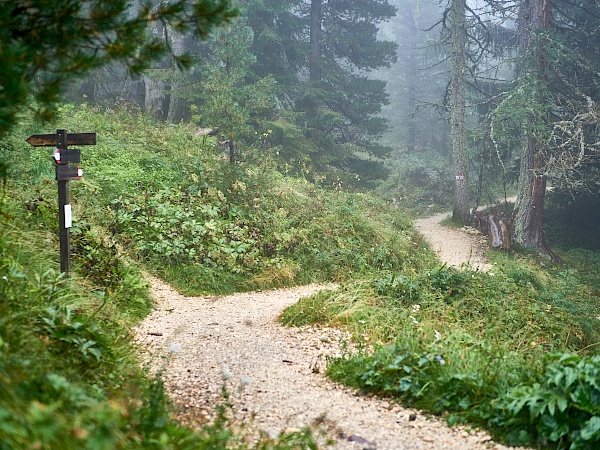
[64, 172]
[65, 156]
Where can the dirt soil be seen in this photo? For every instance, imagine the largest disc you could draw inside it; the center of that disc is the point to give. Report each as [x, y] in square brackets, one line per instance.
[274, 374]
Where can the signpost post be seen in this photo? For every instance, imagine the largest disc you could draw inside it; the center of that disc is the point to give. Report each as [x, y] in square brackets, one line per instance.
[64, 172]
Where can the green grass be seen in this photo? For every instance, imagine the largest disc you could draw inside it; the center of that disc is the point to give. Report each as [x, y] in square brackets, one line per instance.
[170, 201]
[471, 345]
[69, 375]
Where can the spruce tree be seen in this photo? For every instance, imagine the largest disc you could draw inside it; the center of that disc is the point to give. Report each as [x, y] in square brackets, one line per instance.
[224, 96]
[320, 52]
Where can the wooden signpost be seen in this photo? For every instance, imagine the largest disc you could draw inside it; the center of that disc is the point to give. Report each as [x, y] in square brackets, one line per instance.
[63, 156]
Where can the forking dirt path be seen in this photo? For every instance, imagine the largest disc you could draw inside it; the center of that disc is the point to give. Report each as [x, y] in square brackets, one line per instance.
[275, 374]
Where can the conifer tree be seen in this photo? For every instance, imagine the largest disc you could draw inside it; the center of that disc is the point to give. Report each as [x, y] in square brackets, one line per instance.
[320, 53]
[552, 109]
[460, 211]
[225, 98]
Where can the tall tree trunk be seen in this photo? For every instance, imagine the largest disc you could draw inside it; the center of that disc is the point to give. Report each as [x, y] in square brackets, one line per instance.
[411, 82]
[458, 123]
[411, 133]
[156, 98]
[177, 105]
[315, 40]
[135, 91]
[528, 218]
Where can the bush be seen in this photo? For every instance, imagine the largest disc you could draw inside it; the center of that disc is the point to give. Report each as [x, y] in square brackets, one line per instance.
[561, 409]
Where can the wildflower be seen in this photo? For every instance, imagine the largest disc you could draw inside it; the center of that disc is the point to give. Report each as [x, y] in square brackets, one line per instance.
[440, 359]
[438, 335]
[416, 308]
[226, 373]
[415, 321]
[491, 274]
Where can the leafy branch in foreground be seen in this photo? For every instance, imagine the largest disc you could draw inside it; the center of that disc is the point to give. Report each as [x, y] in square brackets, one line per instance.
[47, 44]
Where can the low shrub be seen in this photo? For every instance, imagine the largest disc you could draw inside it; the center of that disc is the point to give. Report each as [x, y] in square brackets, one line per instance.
[559, 409]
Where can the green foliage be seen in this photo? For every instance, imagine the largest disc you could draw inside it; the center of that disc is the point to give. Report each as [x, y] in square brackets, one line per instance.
[438, 377]
[72, 334]
[328, 103]
[69, 378]
[178, 228]
[286, 235]
[444, 282]
[104, 266]
[494, 349]
[526, 104]
[561, 409]
[558, 409]
[45, 46]
[226, 99]
[420, 182]
[189, 215]
[163, 195]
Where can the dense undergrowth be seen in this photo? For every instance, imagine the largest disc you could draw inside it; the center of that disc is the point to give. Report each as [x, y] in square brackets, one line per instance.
[513, 350]
[172, 201]
[69, 377]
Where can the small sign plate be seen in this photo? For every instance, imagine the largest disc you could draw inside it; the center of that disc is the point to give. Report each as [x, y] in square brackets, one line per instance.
[65, 156]
[65, 172]
[68, 216]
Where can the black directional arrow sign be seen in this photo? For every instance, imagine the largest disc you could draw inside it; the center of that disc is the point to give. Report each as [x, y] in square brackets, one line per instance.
[51, 140]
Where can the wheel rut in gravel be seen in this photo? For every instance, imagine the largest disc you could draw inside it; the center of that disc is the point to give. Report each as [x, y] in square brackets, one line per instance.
[274, 374]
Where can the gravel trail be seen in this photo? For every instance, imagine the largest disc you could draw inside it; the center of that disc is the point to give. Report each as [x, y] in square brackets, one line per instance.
[454, 246]
[275, 373]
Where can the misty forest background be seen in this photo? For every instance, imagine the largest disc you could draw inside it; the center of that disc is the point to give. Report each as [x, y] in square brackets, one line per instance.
[397, 96]
[271, 143]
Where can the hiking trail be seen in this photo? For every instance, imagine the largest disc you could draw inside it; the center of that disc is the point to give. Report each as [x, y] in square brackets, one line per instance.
[275, 374]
